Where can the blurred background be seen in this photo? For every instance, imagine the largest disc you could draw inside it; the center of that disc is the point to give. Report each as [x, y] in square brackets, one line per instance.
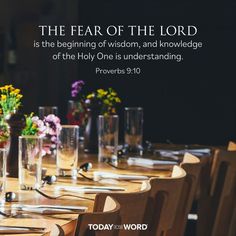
[189, 102]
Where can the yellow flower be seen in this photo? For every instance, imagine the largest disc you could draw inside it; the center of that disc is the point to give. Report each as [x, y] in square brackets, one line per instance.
[34, 126]
[117, 100]
[7, 87]
[91, 95]
[102, 92]
[113, 93]
[17, 91]
[3, 97]
[19, 96]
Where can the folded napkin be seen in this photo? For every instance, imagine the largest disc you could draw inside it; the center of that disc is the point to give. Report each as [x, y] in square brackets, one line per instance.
[157, 164]
[108, 175]
[89, 189]
[50, 209]
[197, 152]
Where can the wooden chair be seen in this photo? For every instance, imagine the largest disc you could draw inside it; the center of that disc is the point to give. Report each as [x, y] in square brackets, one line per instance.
[109, 215]
[57, 231]
[192, 167]
[201, 202]
[232, 229]
[132, 207]
[223, 194]
[231, 146]
[163, 201]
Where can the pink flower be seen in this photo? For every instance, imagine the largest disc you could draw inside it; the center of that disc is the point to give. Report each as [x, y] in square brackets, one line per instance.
[40, 126]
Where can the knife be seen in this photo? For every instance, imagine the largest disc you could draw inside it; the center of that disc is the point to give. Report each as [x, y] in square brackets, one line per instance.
[89, 188]
[107, 175]
[52, 207]
[5, 229]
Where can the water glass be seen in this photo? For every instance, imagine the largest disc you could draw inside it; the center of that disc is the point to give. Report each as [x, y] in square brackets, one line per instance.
[133, 129]
[108, 129]
[30, 162]
[67, 151]
[47, 110]
[2, 175]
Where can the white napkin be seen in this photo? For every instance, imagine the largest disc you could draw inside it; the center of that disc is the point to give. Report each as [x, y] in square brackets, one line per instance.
[108, 175]
[157, 164]
[196, 152]
[89, 189]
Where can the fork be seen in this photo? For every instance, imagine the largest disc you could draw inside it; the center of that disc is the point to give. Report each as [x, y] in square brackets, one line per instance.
[5, 214]
[62, 195]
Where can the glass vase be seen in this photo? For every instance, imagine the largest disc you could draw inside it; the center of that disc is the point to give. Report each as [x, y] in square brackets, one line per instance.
[76, 115]
[30, 162]
[108, 129]
[133, 130]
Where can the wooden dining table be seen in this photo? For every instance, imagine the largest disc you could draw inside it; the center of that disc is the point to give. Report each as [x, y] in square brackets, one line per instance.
[68, 221]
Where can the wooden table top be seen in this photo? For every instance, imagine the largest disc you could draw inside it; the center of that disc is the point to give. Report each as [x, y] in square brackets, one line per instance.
[68, 221]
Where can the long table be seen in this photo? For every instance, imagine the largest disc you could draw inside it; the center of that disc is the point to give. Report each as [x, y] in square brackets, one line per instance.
[68, 222]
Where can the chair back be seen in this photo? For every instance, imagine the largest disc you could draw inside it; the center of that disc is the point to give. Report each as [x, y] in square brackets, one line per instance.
[232, 229]
[202, 199]
[163, 201]
[223, 193]
[87, 223]
[191, 165]
[132, 207]
[231, 146]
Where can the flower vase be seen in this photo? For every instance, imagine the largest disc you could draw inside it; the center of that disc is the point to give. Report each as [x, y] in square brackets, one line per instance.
[16, 122]
[91, 131]
[76, 115]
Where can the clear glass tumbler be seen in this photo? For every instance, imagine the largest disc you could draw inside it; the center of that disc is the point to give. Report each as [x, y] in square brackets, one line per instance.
[2, 175]
[47, 110]
[67, 151]
[30, 162]
[108, 131]
[133, 129]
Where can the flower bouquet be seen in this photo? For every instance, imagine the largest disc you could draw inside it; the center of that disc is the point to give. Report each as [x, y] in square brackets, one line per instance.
[10, 101]
[47, 128]
[104, 100]
[11, 124]
[100, 102]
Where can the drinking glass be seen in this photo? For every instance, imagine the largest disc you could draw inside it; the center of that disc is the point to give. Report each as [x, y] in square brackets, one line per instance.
[67, 151]
[47, 110]
[30, 162]
[133, 129]
[108, 129]
[2, 175]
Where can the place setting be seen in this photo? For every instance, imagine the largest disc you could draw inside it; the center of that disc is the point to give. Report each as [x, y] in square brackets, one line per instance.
[55, 171]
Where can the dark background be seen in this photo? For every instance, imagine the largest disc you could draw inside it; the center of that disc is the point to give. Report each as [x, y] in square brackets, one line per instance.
[189, 102]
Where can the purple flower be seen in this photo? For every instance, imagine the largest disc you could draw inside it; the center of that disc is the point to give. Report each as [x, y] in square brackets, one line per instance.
[74, 93]
[77, 87]
[53, 126]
